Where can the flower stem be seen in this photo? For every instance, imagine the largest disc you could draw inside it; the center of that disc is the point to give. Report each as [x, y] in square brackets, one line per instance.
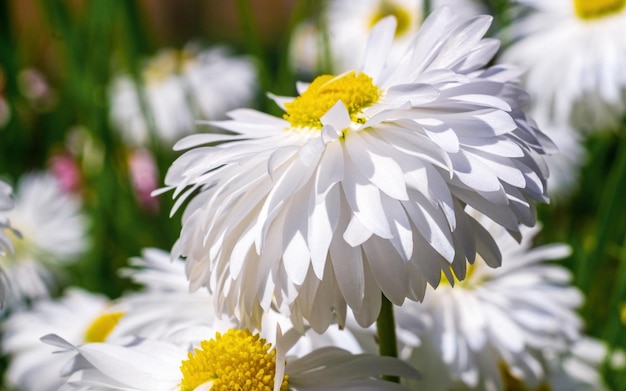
[386, 329]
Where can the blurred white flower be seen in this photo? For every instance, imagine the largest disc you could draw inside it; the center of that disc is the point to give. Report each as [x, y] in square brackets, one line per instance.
[581, 74]
[489, 330]
[32, 366]
[181, 87]
[6, 204]
[360, 188]
[231, 359]
[54, 234]
[577, 369]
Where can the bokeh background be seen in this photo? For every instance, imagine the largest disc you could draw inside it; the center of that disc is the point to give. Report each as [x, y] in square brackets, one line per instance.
[58, 63]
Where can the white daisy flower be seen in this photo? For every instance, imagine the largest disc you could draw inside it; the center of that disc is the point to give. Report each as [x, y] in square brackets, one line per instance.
[490, 329]
[585, 40]
[54, 234]
[232, 360]
[361, 187]
[79, 316]
[180, 87]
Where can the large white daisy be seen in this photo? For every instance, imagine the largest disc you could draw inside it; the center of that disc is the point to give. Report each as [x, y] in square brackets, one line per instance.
[361, 187]
[233, 359]
[180, 87]
[496, 327]
[54, 232]
[574, 52]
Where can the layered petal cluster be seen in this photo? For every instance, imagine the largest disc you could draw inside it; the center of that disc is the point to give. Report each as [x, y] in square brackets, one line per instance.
[498, 327]
[585, 41]
[361, 188]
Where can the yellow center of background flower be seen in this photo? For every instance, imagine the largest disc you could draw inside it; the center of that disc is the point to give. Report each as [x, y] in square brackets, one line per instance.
[356, 91]
[101, 327]
[402, 15]
[592, 9]
[236, 360]
[467, 282]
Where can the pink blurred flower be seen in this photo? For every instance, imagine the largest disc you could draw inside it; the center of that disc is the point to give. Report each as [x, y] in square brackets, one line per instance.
[67, 172]
[144, 176]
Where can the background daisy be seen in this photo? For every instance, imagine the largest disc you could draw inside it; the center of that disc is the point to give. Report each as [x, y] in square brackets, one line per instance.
[6, 203]
[179, 88]
[585, 41]
[33, 366]
[54, 232]
[495, 328]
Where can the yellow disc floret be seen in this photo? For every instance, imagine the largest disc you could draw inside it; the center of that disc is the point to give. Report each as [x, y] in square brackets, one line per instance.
[592, 9]
[355, 91]
[101, 327]
[233, 361]
[470, 281]
[402, 15]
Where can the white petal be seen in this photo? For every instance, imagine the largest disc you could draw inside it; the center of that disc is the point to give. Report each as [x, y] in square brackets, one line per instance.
[378, 45]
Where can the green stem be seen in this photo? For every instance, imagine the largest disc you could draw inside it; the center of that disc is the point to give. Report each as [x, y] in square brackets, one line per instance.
[386, 329]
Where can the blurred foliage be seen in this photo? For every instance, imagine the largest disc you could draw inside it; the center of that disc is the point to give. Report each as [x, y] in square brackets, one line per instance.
[78, 45]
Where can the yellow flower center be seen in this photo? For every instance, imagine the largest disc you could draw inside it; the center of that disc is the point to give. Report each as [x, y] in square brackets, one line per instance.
[356, 91]
[467, 282]
[402, 15]
[592, 9]
[166, 63]
[101, 327]
[236, 360]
